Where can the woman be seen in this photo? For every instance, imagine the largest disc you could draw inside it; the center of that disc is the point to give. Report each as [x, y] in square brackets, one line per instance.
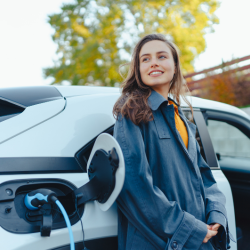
[170, 199]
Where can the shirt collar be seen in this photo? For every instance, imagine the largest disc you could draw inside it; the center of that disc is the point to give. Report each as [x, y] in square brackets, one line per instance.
[175, 105]
[155, 100]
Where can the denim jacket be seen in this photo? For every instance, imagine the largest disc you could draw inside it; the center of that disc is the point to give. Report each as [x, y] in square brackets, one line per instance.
[169, 193]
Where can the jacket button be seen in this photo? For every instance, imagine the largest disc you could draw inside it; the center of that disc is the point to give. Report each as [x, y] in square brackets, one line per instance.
[174, 245]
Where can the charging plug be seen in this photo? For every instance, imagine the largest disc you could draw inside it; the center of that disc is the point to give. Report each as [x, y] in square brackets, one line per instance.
[37, 198]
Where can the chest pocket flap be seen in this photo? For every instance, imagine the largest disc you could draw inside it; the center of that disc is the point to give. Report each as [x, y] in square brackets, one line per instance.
[161, 126]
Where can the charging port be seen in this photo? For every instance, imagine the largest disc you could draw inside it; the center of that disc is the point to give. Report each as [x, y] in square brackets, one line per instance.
[16, 218]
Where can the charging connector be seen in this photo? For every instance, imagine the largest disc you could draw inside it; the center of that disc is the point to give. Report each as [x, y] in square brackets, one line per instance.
[37, 198]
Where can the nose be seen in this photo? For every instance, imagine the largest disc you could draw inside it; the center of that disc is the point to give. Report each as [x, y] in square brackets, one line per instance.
[154, 63]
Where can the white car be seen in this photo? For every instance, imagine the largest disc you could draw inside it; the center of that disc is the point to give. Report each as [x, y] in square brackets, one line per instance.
[46, 137]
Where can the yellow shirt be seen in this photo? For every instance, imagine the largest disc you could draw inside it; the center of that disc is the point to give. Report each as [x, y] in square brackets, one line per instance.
[180, 125]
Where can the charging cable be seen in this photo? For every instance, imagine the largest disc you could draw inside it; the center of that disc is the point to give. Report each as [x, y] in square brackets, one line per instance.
[72, 243]
[78, 196]
[37, 198]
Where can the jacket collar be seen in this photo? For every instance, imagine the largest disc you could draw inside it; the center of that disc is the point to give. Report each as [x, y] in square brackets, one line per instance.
[155, 100]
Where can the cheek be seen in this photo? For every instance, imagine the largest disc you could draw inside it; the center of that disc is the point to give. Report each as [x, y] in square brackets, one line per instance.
[143, 70]
[169, 66]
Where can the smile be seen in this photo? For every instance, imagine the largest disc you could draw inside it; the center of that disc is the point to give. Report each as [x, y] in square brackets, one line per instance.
[155, 73]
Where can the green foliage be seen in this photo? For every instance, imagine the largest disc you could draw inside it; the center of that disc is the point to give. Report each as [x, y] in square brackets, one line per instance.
[95, 37]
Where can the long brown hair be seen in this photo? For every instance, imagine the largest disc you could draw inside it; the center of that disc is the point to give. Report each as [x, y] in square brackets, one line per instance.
[133, 103]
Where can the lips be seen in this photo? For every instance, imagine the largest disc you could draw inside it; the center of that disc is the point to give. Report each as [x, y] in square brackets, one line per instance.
[156, 72]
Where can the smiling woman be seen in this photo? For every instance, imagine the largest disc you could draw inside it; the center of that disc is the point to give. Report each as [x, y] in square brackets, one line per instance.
[170, 198]
[155, 65]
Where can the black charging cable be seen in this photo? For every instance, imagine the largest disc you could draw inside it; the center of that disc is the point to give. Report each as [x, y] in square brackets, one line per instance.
[78, 196]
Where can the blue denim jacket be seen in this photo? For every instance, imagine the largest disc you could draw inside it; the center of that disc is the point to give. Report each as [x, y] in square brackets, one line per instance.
[169, 193]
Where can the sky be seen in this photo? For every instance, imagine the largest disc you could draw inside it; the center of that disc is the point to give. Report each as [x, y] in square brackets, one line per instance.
[26, 46]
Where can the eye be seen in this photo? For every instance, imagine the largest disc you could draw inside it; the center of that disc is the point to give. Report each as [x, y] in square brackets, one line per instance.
[145, 59]
[162, 57]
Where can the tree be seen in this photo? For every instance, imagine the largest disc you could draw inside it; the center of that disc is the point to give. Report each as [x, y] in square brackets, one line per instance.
[95, 36]
[228, 82]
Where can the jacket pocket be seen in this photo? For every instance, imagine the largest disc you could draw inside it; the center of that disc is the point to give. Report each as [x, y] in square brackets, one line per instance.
[161, 126]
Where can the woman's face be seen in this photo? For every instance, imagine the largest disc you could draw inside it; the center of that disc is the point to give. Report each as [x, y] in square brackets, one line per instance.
[157, 65]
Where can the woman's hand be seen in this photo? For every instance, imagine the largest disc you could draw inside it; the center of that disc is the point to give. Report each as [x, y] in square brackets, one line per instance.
[210, 233]
[215, 227]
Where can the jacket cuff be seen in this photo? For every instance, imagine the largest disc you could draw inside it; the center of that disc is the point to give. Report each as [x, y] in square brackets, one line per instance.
[222, 239]
[190, 233]
[215, 206]
[217, 217]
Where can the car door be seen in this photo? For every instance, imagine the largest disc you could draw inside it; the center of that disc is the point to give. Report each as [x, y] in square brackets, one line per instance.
[208, 153]
[230, 135]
